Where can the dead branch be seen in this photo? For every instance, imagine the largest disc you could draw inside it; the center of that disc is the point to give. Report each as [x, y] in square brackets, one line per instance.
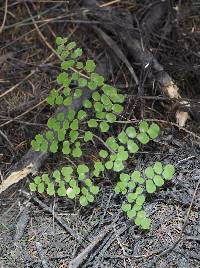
[132, 40]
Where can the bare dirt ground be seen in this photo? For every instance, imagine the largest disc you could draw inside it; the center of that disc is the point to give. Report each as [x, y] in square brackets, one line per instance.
[38, 231]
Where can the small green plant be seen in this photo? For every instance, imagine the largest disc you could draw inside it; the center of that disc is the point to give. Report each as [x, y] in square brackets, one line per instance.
[71, 132]
[136, 186]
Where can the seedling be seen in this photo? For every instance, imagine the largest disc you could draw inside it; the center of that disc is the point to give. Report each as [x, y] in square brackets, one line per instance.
[69, 133]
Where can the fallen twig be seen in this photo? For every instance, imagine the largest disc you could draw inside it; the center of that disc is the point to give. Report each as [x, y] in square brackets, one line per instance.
[22, 222]
[8, 141]
[41, 255]
[76, 262]
[5, 16]
[118, 52]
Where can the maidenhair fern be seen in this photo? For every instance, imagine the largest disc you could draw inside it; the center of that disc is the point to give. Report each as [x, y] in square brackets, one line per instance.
[71, 132]
[137, 185]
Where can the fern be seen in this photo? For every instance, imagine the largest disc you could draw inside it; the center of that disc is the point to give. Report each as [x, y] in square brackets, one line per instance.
[92, 124]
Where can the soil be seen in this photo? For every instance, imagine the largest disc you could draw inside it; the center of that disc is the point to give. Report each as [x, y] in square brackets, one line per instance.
[39, 231]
